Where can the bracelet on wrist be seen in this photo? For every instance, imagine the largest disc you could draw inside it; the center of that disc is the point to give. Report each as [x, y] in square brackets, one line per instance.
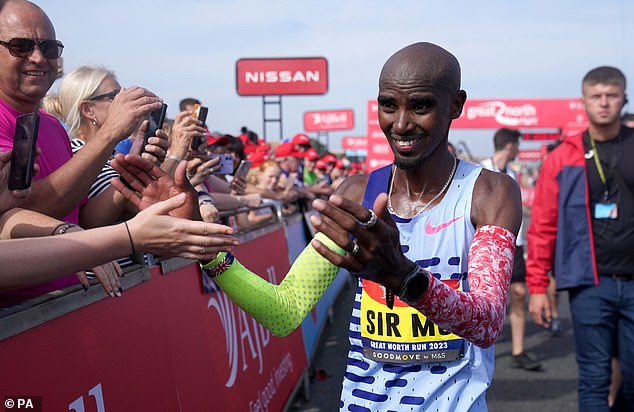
[62, 228]
[177, 159]
[219, 265]
[205, 198]
[130, 237]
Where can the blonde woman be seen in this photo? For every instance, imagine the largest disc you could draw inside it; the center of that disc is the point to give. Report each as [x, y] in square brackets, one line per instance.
[88, 99]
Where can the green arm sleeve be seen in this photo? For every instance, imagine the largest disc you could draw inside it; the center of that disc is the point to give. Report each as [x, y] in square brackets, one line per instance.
[281, 308]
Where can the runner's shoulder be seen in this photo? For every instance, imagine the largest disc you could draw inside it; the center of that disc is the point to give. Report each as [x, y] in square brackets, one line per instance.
[496, 201]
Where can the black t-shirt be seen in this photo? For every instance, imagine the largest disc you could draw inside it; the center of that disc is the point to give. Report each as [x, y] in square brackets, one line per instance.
[613, 238]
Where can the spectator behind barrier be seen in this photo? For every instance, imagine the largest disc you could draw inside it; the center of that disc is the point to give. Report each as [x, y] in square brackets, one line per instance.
[289, 159]
[63, 181]
[338, 174]
[85, 97]
[310, 161]
[187, 104]
[222, 191]
[264, 181]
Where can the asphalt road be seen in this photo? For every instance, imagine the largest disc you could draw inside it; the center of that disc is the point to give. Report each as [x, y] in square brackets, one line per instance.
[551, 390]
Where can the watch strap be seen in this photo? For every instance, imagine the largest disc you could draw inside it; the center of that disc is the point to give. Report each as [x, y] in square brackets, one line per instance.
[414, 285]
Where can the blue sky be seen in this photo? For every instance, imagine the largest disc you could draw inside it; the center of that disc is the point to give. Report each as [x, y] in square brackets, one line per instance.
[507, 49]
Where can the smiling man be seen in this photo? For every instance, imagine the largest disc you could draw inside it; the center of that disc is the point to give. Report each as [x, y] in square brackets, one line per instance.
[29, 56]
[434, 266]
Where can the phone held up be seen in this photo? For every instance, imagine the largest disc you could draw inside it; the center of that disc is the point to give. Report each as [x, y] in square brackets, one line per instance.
[226, 163]
[23, 156]
[200, 113]
[243, 169]
[157, 117]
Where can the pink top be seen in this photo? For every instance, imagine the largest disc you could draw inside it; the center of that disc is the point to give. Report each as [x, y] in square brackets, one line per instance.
[55, 149]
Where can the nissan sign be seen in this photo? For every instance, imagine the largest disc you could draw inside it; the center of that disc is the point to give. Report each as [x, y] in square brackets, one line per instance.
[282, 76]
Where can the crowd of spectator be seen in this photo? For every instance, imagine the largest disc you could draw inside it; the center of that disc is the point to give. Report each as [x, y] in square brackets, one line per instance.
[94, 135]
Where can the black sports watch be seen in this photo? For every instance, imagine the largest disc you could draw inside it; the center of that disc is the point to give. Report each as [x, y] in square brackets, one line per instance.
[414, 286]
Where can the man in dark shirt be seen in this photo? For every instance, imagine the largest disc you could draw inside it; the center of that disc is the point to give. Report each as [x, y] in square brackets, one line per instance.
[582, 228]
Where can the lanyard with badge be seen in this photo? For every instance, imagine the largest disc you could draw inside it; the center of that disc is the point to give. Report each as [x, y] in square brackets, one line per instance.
[603, 209]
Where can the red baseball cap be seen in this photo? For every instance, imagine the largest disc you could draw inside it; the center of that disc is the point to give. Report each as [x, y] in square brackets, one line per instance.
[221, 140]
[311, 154]
[258, 158]
[301, 139]
[287, 149]
[339, 164]
[329, 158]
[321, 164]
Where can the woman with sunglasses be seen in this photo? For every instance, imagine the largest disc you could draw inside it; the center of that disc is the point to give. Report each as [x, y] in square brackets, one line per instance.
[86, 98]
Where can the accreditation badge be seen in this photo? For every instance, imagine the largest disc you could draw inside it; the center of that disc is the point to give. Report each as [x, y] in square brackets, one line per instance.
[606, 211]
[403, 334]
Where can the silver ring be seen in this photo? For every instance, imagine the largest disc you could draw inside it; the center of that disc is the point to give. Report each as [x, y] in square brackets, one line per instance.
[371, 222]
[355, 248]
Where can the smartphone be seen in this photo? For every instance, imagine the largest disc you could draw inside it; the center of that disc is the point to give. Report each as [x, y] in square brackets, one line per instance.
[226, 163]
[243, 169]
[23, 156]
[200, 113]
[157, 117]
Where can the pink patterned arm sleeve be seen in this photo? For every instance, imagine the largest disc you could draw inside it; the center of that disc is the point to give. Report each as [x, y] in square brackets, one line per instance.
[477, 315]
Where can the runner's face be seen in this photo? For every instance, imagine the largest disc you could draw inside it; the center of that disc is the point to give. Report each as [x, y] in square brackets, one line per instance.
[414, 114]
[603, 103]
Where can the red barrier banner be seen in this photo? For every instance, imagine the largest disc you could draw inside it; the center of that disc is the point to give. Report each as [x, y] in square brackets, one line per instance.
[354, 142]
[276, 76]
[528, 195]
[521, 113]
[379, 151]
[530, 155]
[541, 136]
[329, 120]
[162, 346]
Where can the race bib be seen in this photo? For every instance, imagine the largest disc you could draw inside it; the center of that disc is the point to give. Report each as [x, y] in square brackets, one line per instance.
[403, 334]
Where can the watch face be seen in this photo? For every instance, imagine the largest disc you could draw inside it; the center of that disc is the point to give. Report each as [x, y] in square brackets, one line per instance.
[417, 286]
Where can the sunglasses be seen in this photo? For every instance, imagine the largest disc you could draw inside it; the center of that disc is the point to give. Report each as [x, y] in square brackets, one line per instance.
[109, 95]
[19, 47]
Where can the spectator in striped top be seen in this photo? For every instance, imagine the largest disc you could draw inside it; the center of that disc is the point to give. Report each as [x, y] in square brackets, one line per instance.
[85, 97]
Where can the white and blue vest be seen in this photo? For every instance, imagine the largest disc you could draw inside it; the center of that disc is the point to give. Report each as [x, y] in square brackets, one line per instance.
[398, 360]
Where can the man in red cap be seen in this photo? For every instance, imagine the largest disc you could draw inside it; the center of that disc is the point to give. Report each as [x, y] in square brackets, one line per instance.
[310, 159]
[330, 160]
[301, 142]
[288, 158]
[338, 174]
